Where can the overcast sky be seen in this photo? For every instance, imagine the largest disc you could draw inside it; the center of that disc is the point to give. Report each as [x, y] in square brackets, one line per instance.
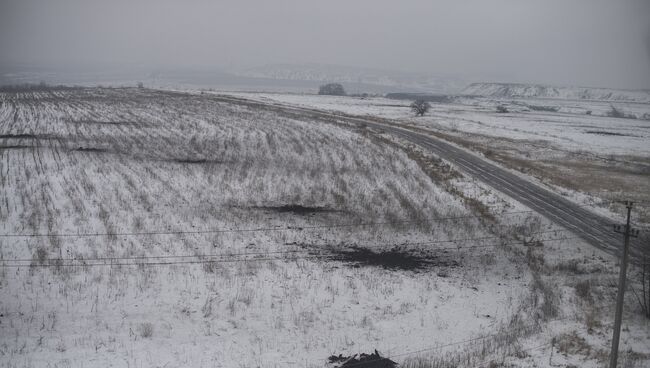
[576, 42]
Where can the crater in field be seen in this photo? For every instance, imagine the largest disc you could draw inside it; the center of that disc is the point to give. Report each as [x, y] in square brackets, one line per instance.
[393, 259]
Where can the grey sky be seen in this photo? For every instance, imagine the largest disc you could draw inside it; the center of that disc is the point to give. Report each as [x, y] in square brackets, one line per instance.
[584, 42]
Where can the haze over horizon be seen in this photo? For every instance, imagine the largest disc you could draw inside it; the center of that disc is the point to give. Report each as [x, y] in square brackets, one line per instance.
[581, 42]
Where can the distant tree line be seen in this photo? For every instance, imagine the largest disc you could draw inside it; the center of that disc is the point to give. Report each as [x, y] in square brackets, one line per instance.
[332, 89]
[35, 87]
[42, 86]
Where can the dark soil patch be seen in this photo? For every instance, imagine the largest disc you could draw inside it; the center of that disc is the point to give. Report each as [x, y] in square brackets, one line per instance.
[27, 87]
[394, 259]
[18, 136]
[602, 132]
[296, 209]
[373, 360]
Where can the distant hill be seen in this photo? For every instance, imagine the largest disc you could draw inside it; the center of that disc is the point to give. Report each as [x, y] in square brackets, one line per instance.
[351, 77]
[513, 90]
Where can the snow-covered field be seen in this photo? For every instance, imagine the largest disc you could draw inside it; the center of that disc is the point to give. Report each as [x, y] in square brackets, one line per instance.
[147, 228]
[568, 128]
[600, 157]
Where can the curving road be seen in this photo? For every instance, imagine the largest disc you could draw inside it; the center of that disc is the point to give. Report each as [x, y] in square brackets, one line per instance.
[594, 229]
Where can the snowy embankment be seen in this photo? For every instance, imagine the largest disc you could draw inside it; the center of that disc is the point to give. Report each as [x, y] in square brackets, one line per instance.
[514, 90]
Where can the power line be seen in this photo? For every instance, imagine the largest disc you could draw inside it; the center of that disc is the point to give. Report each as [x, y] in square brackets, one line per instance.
[262, 229]
[162, 263]
[296, 251]
[224, 258]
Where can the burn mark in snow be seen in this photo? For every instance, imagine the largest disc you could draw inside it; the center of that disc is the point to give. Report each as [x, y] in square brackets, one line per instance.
[393, 259]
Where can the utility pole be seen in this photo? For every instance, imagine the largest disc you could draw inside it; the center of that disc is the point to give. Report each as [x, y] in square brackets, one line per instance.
[628, 231]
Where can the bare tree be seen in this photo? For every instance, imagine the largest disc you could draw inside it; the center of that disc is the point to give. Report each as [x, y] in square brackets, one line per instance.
[618, 113]
[333, 89]
[420, 107]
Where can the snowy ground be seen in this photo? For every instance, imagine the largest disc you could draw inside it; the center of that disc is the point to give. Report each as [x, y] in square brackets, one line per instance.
[145, 228]
[588, 158]
[569, 128]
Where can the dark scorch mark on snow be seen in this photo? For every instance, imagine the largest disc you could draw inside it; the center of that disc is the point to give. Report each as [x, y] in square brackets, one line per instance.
[393, 259]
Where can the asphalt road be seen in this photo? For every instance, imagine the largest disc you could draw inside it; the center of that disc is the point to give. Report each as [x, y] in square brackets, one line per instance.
[593, 228]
